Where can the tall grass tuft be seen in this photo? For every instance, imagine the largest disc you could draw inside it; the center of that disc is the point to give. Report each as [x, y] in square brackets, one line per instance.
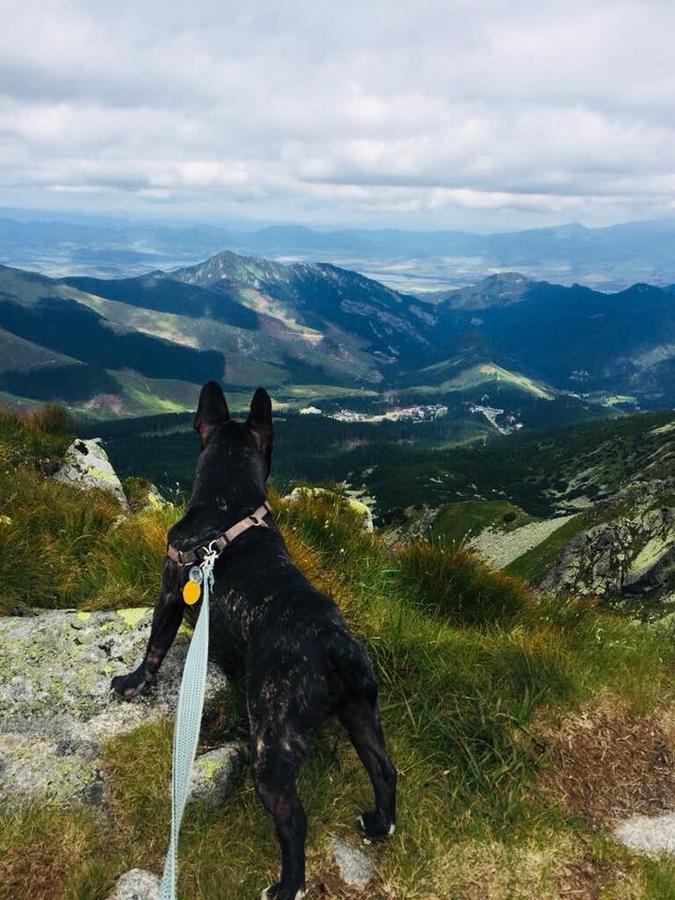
[35, 439]
[456, 587]
[60, 547]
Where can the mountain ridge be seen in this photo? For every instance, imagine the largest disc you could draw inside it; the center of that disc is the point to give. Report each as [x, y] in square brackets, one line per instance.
[244, 319]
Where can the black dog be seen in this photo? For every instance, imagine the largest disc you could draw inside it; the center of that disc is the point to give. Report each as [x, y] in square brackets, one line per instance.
[300, 662]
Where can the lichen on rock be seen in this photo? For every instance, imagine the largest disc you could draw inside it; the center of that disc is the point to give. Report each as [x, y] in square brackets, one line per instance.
[215, 773]
[630, 554]
[56, 707]
[86, 466]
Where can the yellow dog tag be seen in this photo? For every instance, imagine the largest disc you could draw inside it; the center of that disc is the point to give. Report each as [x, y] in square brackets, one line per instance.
[191, 592]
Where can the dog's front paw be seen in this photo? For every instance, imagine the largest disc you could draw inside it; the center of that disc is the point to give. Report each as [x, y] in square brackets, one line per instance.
[374, 826]
[130, 686]
[277, 892]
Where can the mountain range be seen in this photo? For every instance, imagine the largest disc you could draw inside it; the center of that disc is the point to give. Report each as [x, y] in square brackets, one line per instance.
[610, 258]
[313, 331]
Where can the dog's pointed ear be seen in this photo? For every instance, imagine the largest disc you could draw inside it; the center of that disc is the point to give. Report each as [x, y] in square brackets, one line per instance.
[211, 410]
[260, 422]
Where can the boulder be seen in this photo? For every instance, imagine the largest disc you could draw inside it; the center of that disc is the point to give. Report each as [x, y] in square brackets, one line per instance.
[215, 773]
[56, 706]
[136, 884]
[86, 466]
[153, 498]
[355, 866]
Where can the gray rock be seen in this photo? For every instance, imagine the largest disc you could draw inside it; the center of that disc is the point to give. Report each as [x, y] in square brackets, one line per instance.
[355, 866]
[86, 466]
[153, 498]
[417, 525]
[498, 548]
[136, 884]
[627, 555]
[215, 773]
[33, 767]
[55, 701]
[652, 835]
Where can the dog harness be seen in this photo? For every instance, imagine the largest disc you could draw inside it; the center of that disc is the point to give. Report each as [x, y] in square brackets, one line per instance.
[189, 557]
[193, 682]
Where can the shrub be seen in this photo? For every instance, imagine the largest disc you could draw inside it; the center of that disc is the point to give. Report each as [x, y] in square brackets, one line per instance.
[37, 439]
[136, 490]
[455, 586]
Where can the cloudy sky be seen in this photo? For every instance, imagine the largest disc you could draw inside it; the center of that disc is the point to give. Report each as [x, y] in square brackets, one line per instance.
[418, 114]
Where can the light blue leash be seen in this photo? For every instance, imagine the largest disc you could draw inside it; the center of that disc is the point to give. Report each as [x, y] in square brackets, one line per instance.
[188, 723]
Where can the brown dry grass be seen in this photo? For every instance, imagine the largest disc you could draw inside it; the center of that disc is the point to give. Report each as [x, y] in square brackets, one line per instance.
[585, 880]
[607, 763]
[315, 569]
[328, 885]
[52, 843]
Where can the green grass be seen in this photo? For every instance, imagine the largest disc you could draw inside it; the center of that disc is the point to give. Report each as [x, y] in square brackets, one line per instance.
[458, 521]
[532, 566]
[485, 376]
[36, 440]
[469, 666]
[60, 548]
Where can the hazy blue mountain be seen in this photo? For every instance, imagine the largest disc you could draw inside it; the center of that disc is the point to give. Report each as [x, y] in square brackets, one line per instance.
[611, 258]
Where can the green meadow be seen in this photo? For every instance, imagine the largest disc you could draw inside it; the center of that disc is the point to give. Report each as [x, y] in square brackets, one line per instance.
[488, 698]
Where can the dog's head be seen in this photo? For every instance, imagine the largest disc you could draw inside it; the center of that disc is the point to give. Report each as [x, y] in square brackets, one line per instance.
[252, 438]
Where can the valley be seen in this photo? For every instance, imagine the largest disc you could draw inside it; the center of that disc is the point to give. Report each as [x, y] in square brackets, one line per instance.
[313, 333]
[529, 421]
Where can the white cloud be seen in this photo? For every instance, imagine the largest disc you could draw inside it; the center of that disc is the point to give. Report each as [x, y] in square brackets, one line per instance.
[437, 112]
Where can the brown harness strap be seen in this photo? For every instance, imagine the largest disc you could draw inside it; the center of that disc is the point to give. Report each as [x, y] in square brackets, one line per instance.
[188, 557]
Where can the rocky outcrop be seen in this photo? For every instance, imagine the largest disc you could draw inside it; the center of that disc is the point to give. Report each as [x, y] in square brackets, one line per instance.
[418, 522]
[626, 555]
[86, 466]
[56, 707]
[355, 500]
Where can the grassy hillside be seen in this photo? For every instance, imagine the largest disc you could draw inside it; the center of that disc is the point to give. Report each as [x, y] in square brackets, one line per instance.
[509, 719]
[456, 522]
